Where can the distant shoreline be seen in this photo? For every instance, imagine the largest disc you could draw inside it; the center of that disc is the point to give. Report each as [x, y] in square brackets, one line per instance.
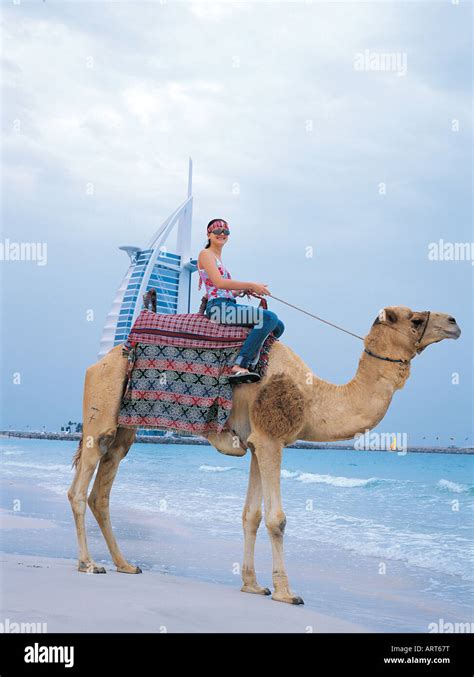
[176, 439]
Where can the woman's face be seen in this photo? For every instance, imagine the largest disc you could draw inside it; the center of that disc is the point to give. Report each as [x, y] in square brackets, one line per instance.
[218, 240]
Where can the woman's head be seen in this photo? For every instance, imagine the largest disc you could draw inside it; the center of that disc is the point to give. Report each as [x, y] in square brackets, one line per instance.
[217, 232]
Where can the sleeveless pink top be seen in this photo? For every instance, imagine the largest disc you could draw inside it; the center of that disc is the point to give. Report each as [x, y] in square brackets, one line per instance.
[211, 291]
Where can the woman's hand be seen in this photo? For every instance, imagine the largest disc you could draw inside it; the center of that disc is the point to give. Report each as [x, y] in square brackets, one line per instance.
[259, 289]
[244, 292]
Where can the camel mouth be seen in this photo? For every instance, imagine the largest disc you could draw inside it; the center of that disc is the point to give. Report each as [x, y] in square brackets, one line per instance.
[454, 334]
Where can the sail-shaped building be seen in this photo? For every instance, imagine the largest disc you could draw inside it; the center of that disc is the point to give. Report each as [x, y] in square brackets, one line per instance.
[154, 267]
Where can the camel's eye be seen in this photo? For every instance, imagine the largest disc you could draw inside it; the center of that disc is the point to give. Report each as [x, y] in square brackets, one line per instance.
[417, 323]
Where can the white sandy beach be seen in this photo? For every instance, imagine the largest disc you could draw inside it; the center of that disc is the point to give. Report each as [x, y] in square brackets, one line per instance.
[43, 589]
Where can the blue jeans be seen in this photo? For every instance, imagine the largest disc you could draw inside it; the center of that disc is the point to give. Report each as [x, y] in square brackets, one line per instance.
[264, 322]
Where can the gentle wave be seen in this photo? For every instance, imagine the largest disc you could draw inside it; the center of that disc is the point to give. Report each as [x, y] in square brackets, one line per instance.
[287, 474]
[215, 468]
[59, 489]
[333, 480]
[11, 449]
[38, 466]
[368, 537]
[454, 486]
[345, 482]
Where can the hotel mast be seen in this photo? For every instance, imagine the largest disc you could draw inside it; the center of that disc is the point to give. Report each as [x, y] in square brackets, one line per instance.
[154, 267]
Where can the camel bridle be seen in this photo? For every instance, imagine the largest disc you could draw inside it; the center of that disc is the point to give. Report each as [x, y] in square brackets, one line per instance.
[428, 313]
[417, 344]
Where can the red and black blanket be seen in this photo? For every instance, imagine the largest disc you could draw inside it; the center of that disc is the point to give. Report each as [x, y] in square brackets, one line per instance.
[178, 372]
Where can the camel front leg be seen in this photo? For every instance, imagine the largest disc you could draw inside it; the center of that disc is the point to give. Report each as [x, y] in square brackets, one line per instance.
[251, 518]
[99, 497]
[269, 454]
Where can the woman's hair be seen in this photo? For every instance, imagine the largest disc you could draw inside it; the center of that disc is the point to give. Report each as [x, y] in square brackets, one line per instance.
[210, 224]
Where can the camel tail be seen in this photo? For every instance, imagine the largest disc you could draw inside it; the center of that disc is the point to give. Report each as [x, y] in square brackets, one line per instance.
[77, 456]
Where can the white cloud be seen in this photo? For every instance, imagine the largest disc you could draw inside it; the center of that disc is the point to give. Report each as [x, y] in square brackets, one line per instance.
[143, 102]
[104, 119]
[132, 113]
[216, 10]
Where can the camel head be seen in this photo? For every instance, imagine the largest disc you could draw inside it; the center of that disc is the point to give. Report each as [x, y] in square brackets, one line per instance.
[399, 332]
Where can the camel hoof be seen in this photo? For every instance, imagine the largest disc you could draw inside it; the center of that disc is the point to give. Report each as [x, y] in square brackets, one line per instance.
[297, 600]
[255, 589]
[129, 569]
[289, 599]
[91, 568]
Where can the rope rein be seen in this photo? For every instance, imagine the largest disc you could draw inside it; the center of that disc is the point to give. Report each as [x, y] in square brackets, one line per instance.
[317, 318]
[331, 324]
[263, 304]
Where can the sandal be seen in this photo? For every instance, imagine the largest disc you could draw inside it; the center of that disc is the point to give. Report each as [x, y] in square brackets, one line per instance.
[244, 377]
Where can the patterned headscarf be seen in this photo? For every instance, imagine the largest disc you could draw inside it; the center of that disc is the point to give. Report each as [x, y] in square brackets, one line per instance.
[220, 223]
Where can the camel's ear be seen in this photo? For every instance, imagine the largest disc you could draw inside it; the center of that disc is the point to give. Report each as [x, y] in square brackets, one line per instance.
[387, 315]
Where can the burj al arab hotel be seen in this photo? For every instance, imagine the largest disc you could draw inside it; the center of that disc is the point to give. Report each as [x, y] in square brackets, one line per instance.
[154, 267]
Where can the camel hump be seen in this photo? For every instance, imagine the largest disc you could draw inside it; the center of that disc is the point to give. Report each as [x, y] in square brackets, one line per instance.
[278, 409]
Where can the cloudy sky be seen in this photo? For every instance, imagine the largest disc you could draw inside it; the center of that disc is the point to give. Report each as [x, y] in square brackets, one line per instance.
[295, 145]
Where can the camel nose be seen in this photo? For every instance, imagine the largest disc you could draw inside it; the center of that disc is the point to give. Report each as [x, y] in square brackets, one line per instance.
[452, 320]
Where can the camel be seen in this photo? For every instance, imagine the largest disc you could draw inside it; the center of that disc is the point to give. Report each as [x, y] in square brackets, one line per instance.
[289, 403]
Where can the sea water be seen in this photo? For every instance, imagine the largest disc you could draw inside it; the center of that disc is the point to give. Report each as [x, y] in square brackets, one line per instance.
[415, 509]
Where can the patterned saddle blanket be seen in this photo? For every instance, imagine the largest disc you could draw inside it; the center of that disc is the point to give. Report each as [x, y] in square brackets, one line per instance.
[178, 367]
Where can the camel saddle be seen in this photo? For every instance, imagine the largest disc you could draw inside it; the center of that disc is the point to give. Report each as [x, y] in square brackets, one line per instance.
[178, 368]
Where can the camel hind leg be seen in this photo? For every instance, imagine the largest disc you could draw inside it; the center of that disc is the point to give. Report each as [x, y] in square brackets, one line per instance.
[86, 460]
[251, 518]
[99, 497]
[103, 389]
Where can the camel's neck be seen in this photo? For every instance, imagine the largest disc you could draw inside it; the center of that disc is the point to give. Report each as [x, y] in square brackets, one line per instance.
[338, 412]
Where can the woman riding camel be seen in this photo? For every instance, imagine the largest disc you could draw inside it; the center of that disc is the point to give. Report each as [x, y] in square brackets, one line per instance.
[222, 307]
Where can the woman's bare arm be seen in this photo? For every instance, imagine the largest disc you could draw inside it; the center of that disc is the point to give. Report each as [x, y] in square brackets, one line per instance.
[208, 262]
